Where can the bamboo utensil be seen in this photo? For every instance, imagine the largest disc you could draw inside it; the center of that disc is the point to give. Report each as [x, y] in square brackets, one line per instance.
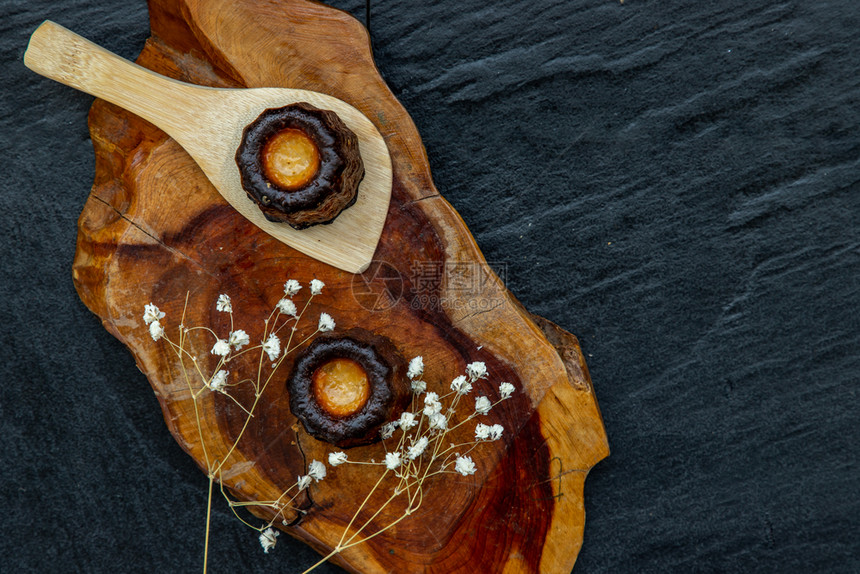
[208, 124]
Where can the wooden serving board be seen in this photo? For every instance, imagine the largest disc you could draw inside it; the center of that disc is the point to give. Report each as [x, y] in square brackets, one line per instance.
[154, 230]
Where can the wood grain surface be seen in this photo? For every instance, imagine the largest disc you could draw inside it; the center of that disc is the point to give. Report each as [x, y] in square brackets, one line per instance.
[154, 229]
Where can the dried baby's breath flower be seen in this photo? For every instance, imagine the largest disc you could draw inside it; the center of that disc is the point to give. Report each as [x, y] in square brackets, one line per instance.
[486, 432]
[416, 368]
[464, 465]
[482, 405]
[476, 370]
[432, 405]
[412, 446]
[388, 429]
[337, 458]
[151, 313]
[316, 470]
[418, 448]
[239, 339]
[438, 421]
[303, 482]
[224, 305]
[291, 287]
[287, 307]
[407, 421]
[460, 385]
[221, 347]
[219, 381]
[272, 347]
[496, 432]
[392, 460]
[326, 323]
[268, 539]
[156, 331]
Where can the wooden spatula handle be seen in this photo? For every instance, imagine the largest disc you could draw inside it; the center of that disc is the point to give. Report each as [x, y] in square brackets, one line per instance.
[60, 54]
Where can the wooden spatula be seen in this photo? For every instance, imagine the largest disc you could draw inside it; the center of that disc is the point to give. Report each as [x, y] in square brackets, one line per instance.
[208, 124]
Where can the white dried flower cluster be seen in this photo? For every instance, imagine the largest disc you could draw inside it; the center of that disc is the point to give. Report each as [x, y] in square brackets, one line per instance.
[291, 287]
[152, 317]
[151, 313]
[268, 539]
[487, 432]
[303, 482]
[461, 386]
[476, 370]
[438, 421]
[392, 460]
[464, 465]
[337, 458]
[326, 323]
[219, 381]
[407, 421]
[432, 405]
[316, 470]
[388, 429]
[482, 405]
[287, 307]
[416, 368]
[239, 339]
[431, 419]
[418, 448]
[221, 348]
[272, 347]
[156, 331]
[224, 304]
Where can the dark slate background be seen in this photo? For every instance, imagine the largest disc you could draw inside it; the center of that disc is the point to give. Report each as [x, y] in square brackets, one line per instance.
[677, 183]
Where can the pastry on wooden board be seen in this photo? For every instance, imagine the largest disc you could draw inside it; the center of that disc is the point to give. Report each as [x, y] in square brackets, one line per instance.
[154, 230]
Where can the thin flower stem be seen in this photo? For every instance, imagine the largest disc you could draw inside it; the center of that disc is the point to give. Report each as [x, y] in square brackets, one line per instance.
[377, 533]
[196, 415]
[322, 561]
[464, 421]
[407, 513]
[287, 322]
[458, 445]
[369, 520]
[262, 352]
[262, 503]
[232, 508]
[189, 329]
[249, 413]
[306, 339]
[242, 352]
[239, 436]
[366, 498]
[208, 521]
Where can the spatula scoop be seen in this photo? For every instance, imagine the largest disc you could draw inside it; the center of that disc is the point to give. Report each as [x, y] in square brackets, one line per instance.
[208, 123]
